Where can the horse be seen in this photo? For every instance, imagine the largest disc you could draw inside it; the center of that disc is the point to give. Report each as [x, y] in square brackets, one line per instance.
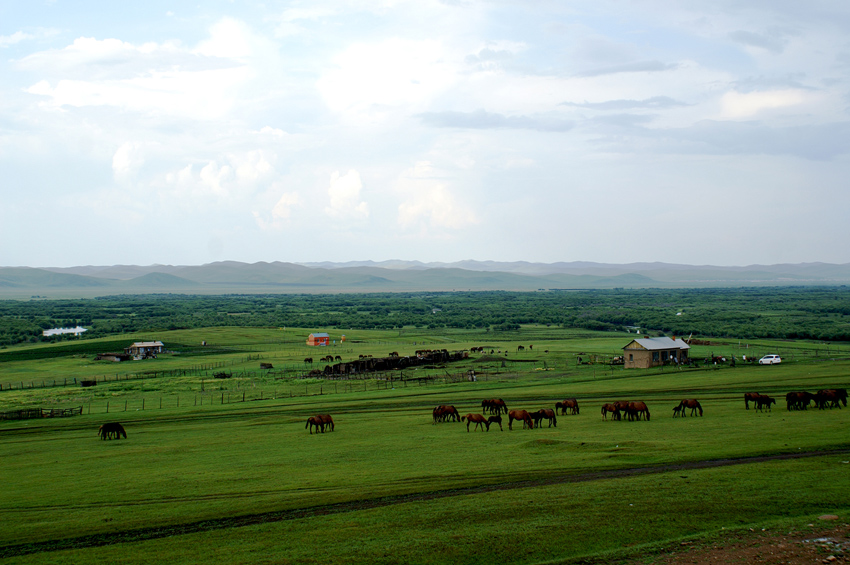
[827, 398]
[636, 409]
[798, 400]
[544, 413]
[494, 406]
[478, 419]
[613, 409]
[764, 400]
[315, 421]
[570, 403]
[522, 415]
[750, 397]
[693, 404]
[308, 360]
[678, 410]
[444, 412]
[110, 430]
[326, 420]
[834, 396]
[495, 420]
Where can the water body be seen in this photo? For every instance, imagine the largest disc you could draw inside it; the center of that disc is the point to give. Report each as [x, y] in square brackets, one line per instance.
[58, 331]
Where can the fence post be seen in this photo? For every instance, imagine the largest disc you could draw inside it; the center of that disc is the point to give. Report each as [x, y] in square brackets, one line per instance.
[107, 407]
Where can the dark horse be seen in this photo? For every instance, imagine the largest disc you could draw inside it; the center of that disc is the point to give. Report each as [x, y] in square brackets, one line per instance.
[478, 419]
[110, 430]
[544, 413]
[764, 400]
[693, 404]
[522, 415]
[798, 400]
[570, 403]
[750, 397]
[496, 420]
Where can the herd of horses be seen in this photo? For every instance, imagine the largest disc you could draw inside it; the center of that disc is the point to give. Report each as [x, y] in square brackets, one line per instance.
[800, 400]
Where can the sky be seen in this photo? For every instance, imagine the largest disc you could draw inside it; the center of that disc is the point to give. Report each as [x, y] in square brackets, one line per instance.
[166, 132]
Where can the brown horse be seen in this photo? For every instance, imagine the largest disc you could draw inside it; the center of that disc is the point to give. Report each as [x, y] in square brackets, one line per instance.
[636, 410]
[445, 412]
[799, 400]
[764, 400]
[613, 409]
[827, 398]
[494, 406]
[495, 420]
[327, 420]
[518, 415]
[693, 404]
[110, 430]
[315, 421]
[544, 413]
[570, 403]
[478, 419]
[750, 397]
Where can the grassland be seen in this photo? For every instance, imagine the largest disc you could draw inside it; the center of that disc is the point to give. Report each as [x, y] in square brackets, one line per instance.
[244, 482]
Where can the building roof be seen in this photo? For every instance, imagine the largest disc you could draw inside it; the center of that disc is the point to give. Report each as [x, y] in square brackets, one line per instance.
[148, 344]
[320, 335]
[656, 343]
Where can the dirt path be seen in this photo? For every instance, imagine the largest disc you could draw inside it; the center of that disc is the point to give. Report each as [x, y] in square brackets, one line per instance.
[130, 536]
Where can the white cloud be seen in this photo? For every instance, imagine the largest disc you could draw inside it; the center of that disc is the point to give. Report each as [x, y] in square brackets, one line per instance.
[744, 105]
[344, 196]
[430, 204]
[18, 36]
[371, 79]
[126, 160]
[159, 78]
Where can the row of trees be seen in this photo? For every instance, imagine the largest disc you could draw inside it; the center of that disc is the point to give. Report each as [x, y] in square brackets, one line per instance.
[784, 312]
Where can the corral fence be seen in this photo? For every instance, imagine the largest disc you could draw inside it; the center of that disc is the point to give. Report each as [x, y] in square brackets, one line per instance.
[30, 413]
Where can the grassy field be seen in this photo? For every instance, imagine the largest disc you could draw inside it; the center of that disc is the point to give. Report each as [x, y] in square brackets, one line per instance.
[244, 482]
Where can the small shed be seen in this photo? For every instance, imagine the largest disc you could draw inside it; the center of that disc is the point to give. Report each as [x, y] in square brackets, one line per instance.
[142, 349]
[649, 352]
[318, 339]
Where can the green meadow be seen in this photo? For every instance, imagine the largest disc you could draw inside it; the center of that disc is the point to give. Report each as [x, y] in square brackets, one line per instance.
[224, 469]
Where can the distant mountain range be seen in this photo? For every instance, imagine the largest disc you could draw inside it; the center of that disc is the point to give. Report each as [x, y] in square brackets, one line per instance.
[227, 277]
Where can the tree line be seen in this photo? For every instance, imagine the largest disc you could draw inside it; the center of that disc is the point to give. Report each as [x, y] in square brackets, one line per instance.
[821, 313]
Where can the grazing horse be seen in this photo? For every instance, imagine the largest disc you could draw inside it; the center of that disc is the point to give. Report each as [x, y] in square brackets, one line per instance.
[494, 406]
[799, 400]
[445, 412]
[522, 415]
[315, 421]
[693, 404]
[678, 410]
[570, 403]
[750, 397]
[544, 413]
[827, 398]
[478, 419]
[764, 400]
[110, 430]
[613, 409]
[308, 360]
[636, 410]
[327, 420]
[495, 420]
[835, 397]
